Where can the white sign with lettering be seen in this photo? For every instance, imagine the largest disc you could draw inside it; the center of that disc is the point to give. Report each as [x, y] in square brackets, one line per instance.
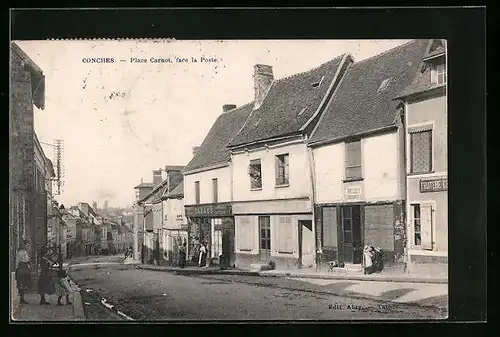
[352, 192]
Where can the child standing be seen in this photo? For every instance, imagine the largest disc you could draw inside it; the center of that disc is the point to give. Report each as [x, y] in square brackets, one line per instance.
[62, 287]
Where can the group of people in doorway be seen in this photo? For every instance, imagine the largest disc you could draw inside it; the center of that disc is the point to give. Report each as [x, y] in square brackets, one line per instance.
[201, 257]
[58, 284]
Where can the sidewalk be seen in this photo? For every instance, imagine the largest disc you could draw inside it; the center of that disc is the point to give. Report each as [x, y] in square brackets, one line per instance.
[310, 273]
[33, 311]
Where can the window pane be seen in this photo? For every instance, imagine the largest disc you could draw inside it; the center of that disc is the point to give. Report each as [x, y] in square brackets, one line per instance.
[263, 243]
[347, 237]
[353, 153]
[347, 224]
[416, 211]
[418, 239]
[353, 172]
[421, 143]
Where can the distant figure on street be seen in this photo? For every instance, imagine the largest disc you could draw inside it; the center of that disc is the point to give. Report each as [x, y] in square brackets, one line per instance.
[23, 270]
[62, 287]
[203, 253]
[129, 252]
[182, 255]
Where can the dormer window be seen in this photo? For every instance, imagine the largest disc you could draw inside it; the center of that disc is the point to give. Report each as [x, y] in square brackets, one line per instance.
[438, 72]
[384, 85]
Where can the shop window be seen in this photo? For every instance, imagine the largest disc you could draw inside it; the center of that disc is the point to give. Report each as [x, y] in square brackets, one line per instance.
[282, 172]
[255, 173]
[197, 192]
[422, 225]
[421, 151]
[353, 160]
[329, 227]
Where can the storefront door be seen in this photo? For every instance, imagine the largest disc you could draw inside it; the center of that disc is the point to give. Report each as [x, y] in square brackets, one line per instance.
[265, 238]
[351, 233]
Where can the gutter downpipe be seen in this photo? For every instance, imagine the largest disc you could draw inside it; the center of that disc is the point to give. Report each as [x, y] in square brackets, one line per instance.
[312, 180]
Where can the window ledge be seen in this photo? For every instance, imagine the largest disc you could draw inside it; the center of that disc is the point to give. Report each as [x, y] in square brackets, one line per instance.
[282, 185]
[256, 189]
[352, 179]
[420, 173]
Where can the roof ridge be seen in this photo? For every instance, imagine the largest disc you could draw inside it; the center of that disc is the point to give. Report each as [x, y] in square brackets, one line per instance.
[388, 51]
[309, 70]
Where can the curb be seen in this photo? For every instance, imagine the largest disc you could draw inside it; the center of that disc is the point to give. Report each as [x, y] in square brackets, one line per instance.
[78, 307]
[358, 278]
[201, 271]
[285, 274]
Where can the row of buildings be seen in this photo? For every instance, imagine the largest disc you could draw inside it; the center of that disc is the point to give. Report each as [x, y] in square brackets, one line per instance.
[317, 166]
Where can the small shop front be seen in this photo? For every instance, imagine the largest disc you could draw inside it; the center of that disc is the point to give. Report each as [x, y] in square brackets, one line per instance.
[344, 228]
[428, 224]
[212, 224]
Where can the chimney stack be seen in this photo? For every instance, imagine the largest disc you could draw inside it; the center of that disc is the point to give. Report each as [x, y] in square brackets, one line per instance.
[227, 107]
[195, 149]
[262, 79]
[157, 179]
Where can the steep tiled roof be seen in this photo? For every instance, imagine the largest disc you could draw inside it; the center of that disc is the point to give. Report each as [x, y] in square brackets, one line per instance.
[422, 77]
[213, 150]
[288, 105]
[360, 105]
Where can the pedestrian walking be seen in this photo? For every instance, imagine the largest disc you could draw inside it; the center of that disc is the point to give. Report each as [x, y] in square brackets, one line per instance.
[203, 253]
[23, 270]
[182, 255]
[62, 287]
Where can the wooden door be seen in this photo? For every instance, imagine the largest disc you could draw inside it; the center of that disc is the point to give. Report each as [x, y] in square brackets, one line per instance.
[351, 234]
[265, 238]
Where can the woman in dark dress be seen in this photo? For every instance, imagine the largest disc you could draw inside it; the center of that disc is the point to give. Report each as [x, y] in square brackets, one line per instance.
[182, 255]
[44, 281]
[23, 270]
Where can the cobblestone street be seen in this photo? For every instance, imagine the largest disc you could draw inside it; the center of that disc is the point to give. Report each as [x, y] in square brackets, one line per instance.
[151, 295]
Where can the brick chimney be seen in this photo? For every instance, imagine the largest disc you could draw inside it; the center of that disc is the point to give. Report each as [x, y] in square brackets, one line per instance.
[195, 150]
[157, 179]
[262, 79]
[227, 107]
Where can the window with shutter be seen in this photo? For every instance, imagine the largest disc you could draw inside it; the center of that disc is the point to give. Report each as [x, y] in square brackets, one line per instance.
[197, 191]
[426, 226]
[282, 170]
[421, 151]
[353, 160]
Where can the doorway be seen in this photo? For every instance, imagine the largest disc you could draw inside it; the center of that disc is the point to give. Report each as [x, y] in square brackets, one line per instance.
[351, 244]
[265, 238]
[306, 243]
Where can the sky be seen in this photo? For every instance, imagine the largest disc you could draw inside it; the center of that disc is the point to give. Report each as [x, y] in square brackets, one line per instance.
[120, 121]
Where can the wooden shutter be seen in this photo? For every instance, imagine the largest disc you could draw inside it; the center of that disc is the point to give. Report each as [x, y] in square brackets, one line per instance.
[286, 170]
[329, 227]
[289, 244]
[426, 225]
[245, 234]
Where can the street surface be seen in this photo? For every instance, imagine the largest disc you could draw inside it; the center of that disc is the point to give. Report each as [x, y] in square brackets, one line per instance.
[152, 295]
